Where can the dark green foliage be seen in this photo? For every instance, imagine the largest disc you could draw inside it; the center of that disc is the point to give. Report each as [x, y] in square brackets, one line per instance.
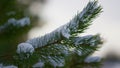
[11, 35]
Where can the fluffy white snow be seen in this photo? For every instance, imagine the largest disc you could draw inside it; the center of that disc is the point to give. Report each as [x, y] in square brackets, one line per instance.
[25, 48]
[91, 40]
[24, 21]
[17, 23]
[40, 64]
[66, 32]
[91, 59]
[12, 21]
[80, 40]
[10, 66]
[21, 22]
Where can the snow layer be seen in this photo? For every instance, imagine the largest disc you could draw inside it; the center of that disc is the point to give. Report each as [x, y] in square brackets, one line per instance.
[91, 59]
[40, 64]
[91, 40]
[21, 23]
[25, 48]
[10, 66]
[17, 23]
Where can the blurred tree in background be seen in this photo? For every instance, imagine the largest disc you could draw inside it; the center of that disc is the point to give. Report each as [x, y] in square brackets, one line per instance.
[15, 22]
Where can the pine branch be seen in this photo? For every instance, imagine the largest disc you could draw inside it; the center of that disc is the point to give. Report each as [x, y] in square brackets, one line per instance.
[77, 25]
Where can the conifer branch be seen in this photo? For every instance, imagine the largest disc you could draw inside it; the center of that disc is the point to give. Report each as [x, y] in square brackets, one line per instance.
[77, 25]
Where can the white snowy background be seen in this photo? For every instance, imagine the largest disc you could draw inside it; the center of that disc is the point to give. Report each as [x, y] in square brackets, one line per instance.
[59, 12]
